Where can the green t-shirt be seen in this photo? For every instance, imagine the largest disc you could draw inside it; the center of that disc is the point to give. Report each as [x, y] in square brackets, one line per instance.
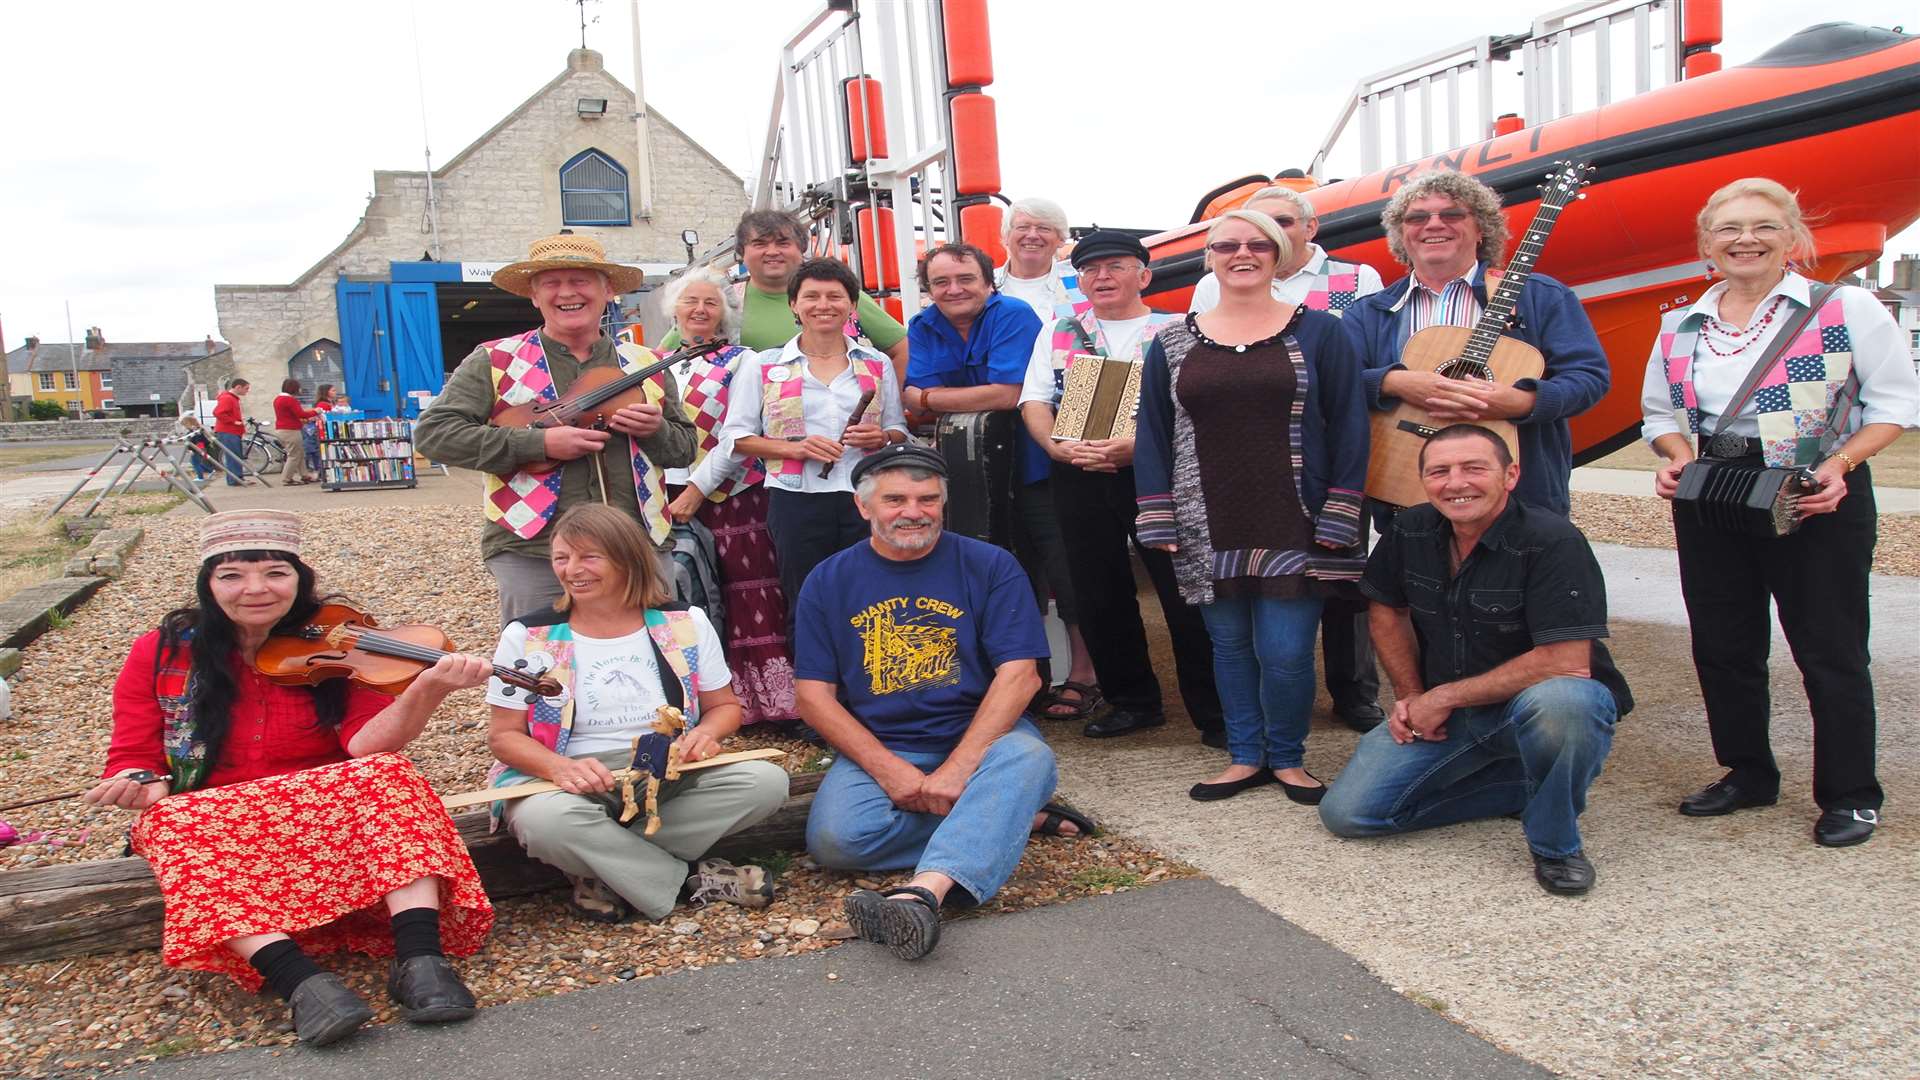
[768, 322]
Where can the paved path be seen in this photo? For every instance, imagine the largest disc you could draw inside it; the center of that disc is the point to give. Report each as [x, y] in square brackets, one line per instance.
[1722, 947]
[1177, 980]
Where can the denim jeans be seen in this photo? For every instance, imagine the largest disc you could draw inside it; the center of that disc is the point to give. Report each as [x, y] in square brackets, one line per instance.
[229, 459]
[854, 826]
[1263, 663]
[1535, 755]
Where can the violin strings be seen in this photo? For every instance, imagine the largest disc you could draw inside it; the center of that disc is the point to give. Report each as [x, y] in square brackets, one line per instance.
[370, 641]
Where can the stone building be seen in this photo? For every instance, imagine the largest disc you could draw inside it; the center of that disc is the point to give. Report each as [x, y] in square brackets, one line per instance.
[395, 313]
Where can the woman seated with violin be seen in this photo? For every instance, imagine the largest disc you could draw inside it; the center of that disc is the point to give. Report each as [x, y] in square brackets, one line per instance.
[623, 655]
[280, 820]
[810, 411]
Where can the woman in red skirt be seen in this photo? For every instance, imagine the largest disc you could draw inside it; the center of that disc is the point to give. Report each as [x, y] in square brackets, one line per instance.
[285, 822]
[727, 496]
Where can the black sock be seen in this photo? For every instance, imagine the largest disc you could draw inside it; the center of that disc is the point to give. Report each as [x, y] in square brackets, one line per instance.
[284, 967]
[416, 932]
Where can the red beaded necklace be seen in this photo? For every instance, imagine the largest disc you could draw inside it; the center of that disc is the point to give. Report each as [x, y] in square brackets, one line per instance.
[1746, 337]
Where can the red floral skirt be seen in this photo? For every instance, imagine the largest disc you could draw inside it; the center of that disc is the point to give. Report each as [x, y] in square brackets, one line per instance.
[758, 653]
[309, 854]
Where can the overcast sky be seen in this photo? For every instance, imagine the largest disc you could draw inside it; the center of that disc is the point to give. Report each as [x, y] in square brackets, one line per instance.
[153, 149]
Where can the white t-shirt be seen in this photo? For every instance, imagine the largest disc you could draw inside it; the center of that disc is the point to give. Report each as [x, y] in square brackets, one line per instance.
[1037, 293]
[1039, 384]
[616, 684]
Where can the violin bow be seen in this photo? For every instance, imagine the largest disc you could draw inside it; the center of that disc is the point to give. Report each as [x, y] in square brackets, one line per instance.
[140, 776]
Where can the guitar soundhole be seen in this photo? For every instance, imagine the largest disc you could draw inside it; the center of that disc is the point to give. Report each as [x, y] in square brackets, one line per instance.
[1464, 368]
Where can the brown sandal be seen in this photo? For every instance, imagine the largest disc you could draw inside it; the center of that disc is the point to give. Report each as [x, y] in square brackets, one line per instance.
[1088, 696]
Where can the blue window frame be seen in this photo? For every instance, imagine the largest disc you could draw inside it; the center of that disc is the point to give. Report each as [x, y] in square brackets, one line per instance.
[593, 191]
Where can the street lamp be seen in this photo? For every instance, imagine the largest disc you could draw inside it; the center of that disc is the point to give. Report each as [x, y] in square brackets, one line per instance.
[689, 238]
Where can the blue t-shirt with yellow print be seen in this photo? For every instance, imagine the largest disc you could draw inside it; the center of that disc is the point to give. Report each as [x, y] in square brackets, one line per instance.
[914, 645]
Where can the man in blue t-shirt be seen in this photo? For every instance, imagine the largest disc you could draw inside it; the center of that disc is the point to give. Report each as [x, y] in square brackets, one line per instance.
[914, 657]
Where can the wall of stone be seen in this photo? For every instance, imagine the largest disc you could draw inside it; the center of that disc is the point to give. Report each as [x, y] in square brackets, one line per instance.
[493, 198]
[85, 429]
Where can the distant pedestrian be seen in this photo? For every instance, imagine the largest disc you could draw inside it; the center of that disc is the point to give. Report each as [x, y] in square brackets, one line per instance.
[289, 422]
[230, 428]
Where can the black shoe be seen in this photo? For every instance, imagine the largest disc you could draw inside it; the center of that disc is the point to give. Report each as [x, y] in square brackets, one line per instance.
[428, 990]
[1571, 876]
[325, 1011]
[1362, 718]
[1722, 797]
[1215, 738]
[1213, 792]
[1844, 828]
[1301, 793]
[1122, 722]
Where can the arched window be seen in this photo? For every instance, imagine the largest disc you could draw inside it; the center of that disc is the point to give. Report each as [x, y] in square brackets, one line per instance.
[593, 191]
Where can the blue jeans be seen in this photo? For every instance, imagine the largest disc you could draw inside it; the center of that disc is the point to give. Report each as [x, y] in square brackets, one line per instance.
[1536, 755]
[854, 826]
[230, 460]
[1263, 664]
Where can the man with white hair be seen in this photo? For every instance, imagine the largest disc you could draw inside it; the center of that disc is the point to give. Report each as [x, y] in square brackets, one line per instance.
[533, 474]
[914, 658]
[1320, 283]
[1033, 235]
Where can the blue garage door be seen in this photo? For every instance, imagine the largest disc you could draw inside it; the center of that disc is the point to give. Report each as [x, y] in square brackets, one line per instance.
[390, 343]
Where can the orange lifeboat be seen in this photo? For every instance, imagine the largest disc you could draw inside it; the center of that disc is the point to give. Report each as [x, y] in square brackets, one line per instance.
[1833, 111]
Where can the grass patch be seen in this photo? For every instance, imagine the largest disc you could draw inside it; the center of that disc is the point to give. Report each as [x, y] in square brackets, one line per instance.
[817, 760]
[143, 502]
[1428, 1000]
[775, 863]
[1102, 878]
[179, 1044]
[1896, 466]
[31, 552]
[57, 619]
[17, 455]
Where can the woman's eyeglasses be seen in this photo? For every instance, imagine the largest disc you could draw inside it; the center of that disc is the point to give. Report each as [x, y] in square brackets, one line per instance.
[1257, 247]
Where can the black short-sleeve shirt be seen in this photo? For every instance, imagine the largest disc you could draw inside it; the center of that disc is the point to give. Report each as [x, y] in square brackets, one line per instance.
[1532, 580]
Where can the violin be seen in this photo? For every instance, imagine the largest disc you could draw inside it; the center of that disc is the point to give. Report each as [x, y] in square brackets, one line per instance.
[596, 394]
[342, 642]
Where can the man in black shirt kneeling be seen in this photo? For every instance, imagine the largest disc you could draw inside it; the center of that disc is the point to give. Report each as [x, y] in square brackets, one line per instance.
[1487, 614]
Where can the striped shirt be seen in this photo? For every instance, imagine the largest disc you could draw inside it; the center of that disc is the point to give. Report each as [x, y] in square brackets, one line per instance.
[1453, 305]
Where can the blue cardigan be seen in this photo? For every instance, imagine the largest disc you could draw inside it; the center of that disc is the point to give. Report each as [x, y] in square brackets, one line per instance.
[1549, 317]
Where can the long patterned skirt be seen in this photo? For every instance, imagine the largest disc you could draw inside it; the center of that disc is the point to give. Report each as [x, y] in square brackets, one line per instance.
[309, 854]
[758, 652]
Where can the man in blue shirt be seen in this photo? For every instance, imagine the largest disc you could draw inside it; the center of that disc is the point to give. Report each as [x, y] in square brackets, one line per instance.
[966, 353]
[1447, 229]
[914, 658]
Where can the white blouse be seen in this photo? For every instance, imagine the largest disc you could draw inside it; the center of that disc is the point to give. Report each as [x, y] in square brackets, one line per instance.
[824, 406]
[1889, 390]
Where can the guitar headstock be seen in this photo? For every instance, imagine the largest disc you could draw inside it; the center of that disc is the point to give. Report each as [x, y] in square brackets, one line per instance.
[1563, 184]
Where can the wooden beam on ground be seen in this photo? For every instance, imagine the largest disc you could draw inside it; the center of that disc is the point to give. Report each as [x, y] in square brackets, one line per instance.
[110, 905]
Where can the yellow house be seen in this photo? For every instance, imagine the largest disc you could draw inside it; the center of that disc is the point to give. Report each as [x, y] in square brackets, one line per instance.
[79, 378]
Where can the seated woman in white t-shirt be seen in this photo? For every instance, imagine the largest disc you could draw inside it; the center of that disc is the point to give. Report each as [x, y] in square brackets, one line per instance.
[623, 650]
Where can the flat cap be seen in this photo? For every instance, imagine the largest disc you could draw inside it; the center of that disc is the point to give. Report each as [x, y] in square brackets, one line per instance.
[906, 455]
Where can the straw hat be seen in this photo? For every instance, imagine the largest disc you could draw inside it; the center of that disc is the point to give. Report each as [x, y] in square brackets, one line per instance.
[565, 251]
[249, 530]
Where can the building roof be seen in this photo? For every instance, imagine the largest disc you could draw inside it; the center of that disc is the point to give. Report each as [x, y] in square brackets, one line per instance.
[62, 356]
[17, 360]
[59, 356]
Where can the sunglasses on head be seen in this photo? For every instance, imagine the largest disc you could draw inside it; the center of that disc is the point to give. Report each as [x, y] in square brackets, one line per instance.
[1257, 247]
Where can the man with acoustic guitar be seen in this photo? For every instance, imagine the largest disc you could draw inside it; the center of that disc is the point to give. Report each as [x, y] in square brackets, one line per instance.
[1447, 229]
[533, 474]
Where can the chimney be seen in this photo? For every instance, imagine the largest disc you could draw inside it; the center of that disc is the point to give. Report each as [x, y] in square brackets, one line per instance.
[209, 344]
[1906, 272]
[1870, 274]
[95, 341]
[33, 342]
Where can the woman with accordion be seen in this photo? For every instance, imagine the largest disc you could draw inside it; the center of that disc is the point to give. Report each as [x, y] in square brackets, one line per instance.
[1787, 384]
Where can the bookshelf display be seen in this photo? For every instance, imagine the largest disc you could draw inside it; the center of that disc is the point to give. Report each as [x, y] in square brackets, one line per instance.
[358, 453]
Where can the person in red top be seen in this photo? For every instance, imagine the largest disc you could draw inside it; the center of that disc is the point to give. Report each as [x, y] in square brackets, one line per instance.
[229, 428]
[281, 820]
[289, 421]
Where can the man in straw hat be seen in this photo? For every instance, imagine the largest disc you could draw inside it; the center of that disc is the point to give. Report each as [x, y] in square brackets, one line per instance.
[534, 474]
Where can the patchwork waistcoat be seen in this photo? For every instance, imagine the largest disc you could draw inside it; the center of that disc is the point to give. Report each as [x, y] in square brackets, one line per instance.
[526, 501]
[1080, 335]
[1795, 397]
[1336, 286]
[782, 411]
[704, 394]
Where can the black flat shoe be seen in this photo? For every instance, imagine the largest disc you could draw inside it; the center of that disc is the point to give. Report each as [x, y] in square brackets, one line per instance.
[1213, 792]
[1571, 876]
[428, 990]
[1121, 722]
[325, 1011]
[1302, 793]
[1844, 828]
[1722, 797]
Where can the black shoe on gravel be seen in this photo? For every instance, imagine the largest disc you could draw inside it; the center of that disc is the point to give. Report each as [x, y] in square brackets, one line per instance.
[428, 990]
[909, 929]
[325, 1011]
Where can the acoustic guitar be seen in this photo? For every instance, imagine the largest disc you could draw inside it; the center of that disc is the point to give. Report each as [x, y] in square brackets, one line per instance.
[1481, 352]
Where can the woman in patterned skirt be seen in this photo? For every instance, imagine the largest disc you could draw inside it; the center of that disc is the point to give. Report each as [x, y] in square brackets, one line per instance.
[1251, 453]
[727, 497]
[284, 821]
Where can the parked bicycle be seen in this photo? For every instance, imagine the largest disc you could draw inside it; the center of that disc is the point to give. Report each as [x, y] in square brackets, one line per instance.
[261, 449]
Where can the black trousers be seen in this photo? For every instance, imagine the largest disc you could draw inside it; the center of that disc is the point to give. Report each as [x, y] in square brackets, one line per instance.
[1817, 577]
[1346, 651]
[1096, 512]
[806, 529]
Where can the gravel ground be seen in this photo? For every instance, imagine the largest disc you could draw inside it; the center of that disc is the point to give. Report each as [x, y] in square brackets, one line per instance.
[99, 1012]
[1646, 521]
